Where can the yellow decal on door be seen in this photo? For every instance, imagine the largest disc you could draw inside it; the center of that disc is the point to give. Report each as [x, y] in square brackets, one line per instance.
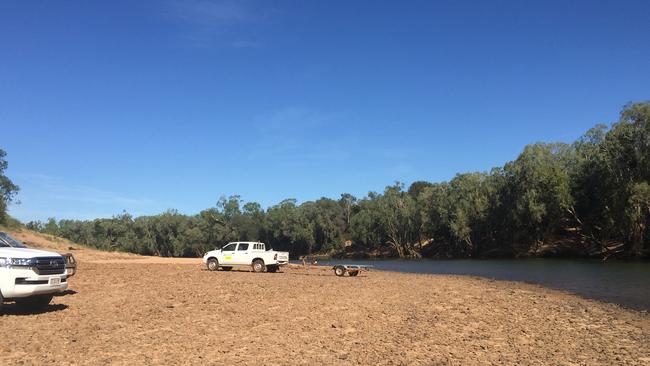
[228, 258]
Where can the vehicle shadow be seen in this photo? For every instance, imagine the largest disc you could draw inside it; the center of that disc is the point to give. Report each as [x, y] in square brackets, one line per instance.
[324, 273]
[241, 271]
[230, 271]
[13, 309]
[64, 293]
[310, 274]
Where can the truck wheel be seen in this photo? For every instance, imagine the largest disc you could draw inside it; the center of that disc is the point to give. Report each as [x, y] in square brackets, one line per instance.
[34, 302]
[272, 269]
[226, 268]
[2, 300]
[354, 273]
[213, 264]
[339, 271]
[258, 266]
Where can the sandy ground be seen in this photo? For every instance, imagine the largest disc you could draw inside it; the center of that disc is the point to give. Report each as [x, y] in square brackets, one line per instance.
[126, 309]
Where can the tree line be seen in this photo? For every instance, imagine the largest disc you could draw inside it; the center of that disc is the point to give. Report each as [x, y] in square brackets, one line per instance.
[590, 198]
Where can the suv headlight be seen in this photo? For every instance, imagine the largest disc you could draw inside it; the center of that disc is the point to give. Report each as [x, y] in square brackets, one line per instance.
[17, 262]
[23, 262]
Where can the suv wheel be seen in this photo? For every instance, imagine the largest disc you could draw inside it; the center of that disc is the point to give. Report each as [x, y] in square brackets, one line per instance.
[213, 264]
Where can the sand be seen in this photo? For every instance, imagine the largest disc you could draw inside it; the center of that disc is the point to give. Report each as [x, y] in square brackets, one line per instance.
[128, 309]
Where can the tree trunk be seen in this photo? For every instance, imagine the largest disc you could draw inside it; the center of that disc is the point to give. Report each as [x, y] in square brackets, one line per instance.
[398, 247]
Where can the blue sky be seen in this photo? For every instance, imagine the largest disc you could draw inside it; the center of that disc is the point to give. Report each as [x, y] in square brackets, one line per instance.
[149, 105]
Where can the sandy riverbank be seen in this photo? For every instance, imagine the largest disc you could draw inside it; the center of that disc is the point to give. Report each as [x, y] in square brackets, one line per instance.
[136, 310]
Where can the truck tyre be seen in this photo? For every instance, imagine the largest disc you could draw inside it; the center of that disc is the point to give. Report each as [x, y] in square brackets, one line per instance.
[353, 273]
[258, 266]
[272, 269]
[2, 300]
[34, 302]
[213, 264]
[226, 268]
[339, 271]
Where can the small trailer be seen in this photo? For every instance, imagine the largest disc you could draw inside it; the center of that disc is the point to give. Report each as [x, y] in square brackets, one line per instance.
[351, 269]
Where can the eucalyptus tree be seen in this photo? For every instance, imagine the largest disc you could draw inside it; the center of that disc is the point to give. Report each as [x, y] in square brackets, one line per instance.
[398, 219]
[8, 189]
[626, 156]
[327, 218]
[540, 193]
[365, 229]
[287, 229]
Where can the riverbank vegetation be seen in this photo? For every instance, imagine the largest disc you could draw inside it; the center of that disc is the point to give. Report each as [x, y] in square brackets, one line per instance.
[8, 191]
[590, 198]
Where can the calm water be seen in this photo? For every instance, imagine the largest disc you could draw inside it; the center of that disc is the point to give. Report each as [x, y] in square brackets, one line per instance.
[624, 283]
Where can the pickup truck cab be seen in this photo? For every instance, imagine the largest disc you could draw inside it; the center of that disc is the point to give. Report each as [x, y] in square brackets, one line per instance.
[30, 277]
[246, 253]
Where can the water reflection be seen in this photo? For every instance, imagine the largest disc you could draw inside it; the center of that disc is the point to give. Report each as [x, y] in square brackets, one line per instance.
[620, 282]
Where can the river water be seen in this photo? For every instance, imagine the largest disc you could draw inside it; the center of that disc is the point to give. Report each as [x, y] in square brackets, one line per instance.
[621, 282]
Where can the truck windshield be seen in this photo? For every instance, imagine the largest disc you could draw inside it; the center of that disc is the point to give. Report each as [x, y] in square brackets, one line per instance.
[7, 240]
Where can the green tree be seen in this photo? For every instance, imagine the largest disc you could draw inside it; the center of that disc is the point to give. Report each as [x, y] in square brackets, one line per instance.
[288, 229]
[638, 215]
[8, 189]
[540, 194]
[348, 203]
[398, 219]
[365, 229]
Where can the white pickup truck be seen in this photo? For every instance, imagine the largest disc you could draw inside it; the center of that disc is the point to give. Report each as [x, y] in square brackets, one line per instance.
[246, 253]
[30, 277]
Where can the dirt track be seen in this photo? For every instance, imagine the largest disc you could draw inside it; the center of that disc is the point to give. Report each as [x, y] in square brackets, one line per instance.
[138, 310]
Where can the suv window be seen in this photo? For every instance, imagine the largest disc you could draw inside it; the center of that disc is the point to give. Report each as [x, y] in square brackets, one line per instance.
[229, 248]
[242, 246]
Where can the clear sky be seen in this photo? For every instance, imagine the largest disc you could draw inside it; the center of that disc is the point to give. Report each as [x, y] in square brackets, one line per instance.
[148, 105]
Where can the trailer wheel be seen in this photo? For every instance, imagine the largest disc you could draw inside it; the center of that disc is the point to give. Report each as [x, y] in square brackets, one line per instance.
[339, 271]
[353, 273]
[258, 266]
[213, 264]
